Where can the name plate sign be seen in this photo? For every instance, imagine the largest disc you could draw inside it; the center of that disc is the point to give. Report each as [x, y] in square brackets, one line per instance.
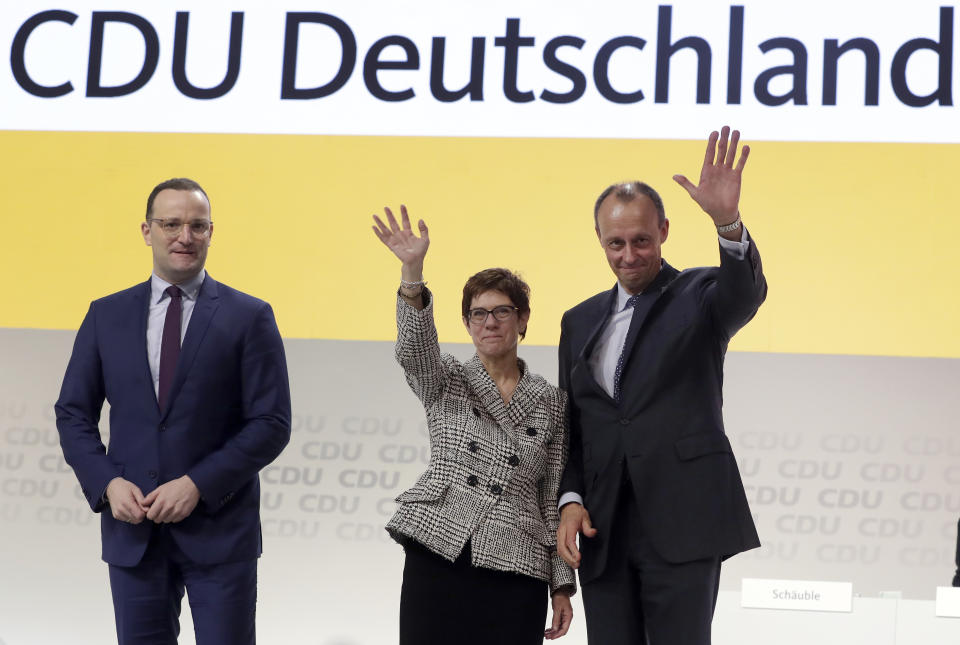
[805, 595]
[948, 602]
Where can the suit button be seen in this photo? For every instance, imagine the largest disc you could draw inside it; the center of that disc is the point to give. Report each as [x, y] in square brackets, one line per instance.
[473, 446]
[495, 489]
[624, 422]
[472, 480]
[514, 460]
[152, 474]
[163, 426]
[532, 432]
[476, 412]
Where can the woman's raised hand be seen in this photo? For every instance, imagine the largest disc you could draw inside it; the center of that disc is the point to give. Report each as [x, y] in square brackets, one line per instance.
[401, 239]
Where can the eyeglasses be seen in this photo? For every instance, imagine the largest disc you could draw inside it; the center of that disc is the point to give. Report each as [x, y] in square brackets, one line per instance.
[479, 315]
[172, 227]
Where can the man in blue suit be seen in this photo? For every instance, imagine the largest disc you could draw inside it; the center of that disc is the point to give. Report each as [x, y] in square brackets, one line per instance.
[651, 483]
[196, 378]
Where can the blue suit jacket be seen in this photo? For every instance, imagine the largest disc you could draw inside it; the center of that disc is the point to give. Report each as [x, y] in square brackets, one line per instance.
[228, 416]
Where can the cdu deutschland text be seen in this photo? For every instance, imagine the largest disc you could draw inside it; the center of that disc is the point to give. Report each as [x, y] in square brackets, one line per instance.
[919, 71]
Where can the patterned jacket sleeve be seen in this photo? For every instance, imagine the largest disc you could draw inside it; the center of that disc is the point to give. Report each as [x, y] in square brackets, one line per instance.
[418, 350]
[562, 575]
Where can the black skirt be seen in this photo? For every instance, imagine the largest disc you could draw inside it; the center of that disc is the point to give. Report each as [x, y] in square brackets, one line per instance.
[455, 603]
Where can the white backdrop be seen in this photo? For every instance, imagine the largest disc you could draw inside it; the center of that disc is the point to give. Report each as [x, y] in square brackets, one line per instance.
[850, 465]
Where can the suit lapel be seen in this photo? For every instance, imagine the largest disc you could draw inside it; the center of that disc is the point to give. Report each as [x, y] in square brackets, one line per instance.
[641, 311]
[525, 397]
[203, 311]
[142, 301]
[597, 320]
[486, 390]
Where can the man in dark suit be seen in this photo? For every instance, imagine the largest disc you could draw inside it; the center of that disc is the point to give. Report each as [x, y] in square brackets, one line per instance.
[651, 481]
[196, 378]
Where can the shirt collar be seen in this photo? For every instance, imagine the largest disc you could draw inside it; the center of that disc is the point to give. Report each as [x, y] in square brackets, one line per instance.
[190, 288]
[621, 300]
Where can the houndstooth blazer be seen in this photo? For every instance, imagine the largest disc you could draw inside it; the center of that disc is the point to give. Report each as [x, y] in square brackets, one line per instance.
[494, 468]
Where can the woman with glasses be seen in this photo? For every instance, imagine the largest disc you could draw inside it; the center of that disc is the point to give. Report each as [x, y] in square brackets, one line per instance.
[479, 525]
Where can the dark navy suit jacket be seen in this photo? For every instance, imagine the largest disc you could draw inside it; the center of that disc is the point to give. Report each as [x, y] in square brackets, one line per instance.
[667, 430]
[228, 416]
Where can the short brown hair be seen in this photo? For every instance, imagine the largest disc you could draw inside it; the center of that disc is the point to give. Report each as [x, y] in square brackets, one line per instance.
[177, 183]
[626, 192]
[503, 280]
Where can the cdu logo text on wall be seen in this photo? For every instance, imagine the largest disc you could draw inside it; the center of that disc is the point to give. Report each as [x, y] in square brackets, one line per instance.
[507, 69]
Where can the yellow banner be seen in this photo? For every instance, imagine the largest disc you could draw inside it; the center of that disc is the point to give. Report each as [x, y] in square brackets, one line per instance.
[857, 239]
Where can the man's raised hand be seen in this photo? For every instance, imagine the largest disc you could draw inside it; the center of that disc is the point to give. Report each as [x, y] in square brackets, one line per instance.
[718, 192]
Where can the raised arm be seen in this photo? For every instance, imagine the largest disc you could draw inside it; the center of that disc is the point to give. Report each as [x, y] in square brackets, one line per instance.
[718, 192]
[741, 286]
[409, 249]
[418, 348]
